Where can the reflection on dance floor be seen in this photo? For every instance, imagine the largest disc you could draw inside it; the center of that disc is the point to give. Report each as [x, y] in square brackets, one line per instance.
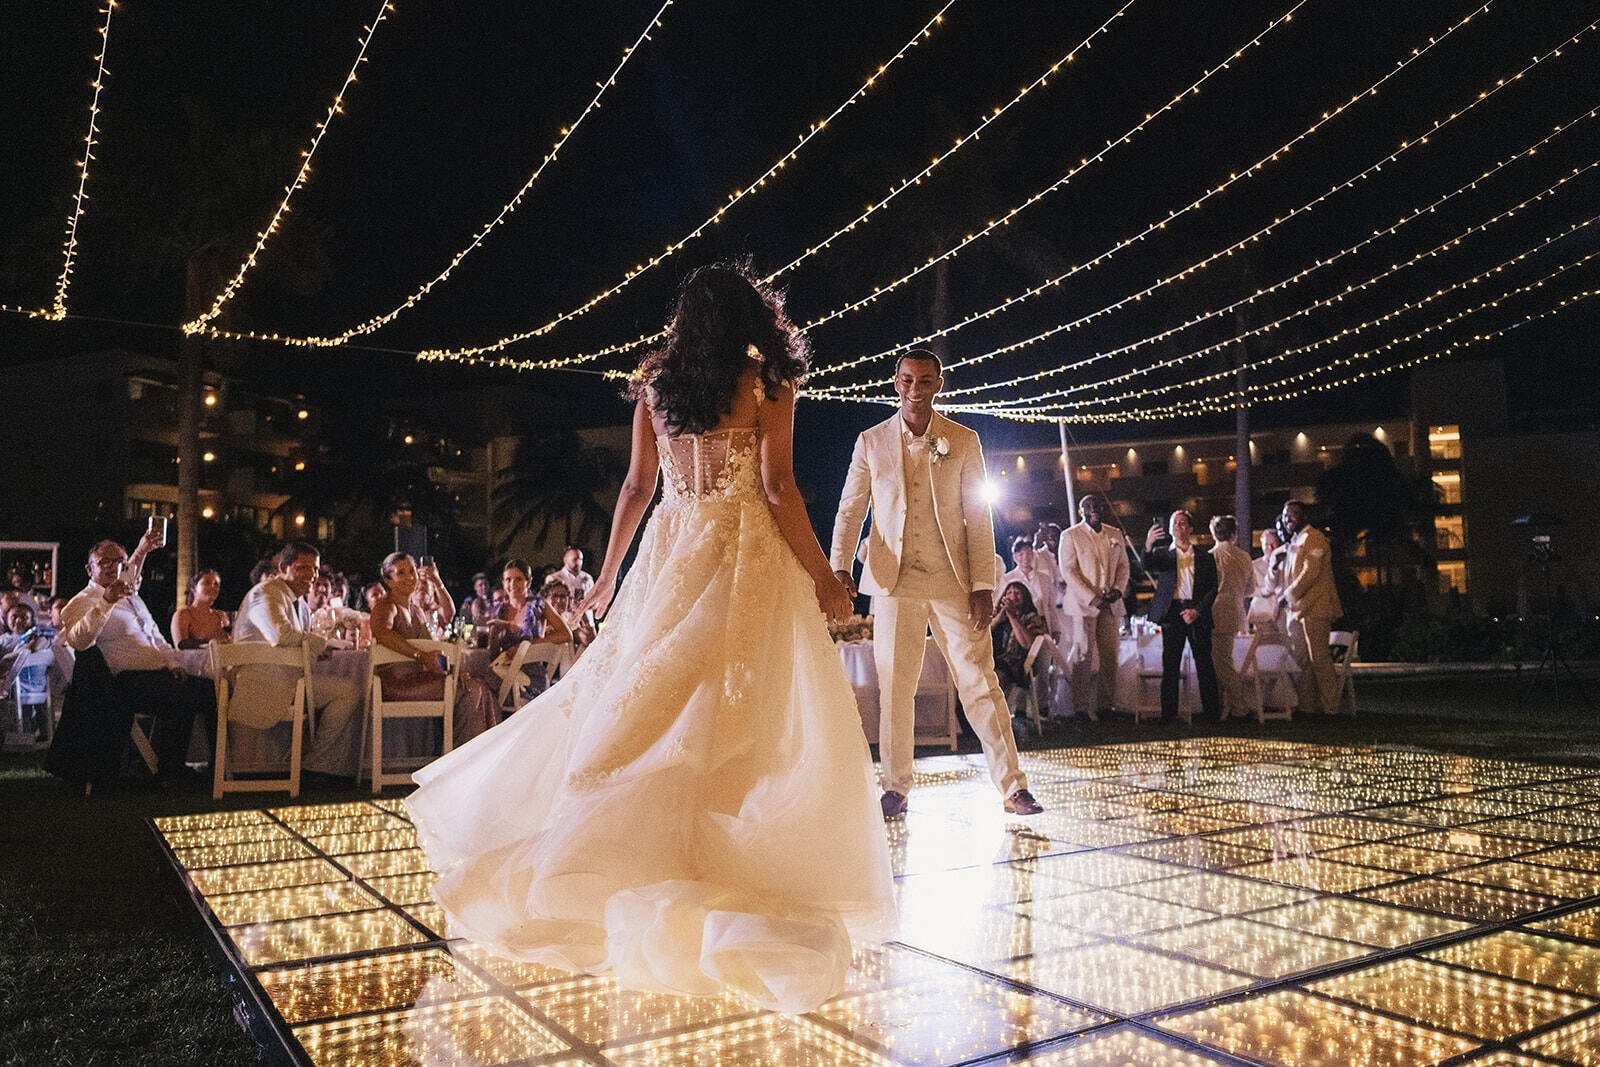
[1179, 902]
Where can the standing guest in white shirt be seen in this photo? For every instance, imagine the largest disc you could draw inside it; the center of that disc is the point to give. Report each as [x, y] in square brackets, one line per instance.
[1041, 583]
[1186, 589]
[1093, 557]
[572, 574]
[1235, 578]
[1045, 539]
[274, 612]
[1313, 605]
[146, 671]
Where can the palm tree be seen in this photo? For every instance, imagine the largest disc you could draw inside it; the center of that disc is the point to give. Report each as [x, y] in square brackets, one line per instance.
[552, 477]
[1371, 506]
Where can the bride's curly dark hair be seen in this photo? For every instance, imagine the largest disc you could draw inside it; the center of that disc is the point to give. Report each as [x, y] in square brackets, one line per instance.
[723, 310]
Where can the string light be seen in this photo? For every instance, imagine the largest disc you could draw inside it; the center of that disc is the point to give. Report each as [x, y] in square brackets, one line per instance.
[337, 108]
[1193, 268]
[32, 313]
[69, 245]
[1294, 278]
[715, 217]
[1258, 393]
[1060, 183]
[1335, 298]
[505, 212]
[882, 290]
[1340, 335]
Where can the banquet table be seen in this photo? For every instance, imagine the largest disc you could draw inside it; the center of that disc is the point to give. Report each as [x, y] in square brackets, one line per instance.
[1143, 649]
[935, 703]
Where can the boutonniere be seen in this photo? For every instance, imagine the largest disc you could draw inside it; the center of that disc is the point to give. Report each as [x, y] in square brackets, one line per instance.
[938, 448]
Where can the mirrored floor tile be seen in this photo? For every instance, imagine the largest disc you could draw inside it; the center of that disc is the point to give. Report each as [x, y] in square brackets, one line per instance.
[1293, 1029]
[1467, 1002]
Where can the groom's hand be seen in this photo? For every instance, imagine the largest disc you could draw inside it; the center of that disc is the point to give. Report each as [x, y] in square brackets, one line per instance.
[980, 608]
[848, 582]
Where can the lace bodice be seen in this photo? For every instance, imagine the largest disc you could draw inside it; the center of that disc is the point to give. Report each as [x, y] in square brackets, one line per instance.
[718, 465]
[715, 465]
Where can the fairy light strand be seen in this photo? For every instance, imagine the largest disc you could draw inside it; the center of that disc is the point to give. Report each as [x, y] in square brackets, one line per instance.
[1030, 403]
[506, 211]
[750, 189]
[1254, 392]
[385, 8]
[994, 114]
[1230, 403]
[1017, 299]
[1004, 220]
[69, 244]
[1326, 301]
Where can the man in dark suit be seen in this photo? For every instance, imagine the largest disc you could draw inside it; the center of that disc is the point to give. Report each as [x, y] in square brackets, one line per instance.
[1186, 587]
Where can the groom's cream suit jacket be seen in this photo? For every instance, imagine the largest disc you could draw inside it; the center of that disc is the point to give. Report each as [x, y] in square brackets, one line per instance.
[877, 483]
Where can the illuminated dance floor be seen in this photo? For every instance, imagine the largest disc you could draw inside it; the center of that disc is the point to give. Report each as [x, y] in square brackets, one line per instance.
[1180, 902]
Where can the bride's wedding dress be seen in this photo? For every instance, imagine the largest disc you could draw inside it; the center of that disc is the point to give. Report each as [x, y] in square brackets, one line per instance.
[693, 806]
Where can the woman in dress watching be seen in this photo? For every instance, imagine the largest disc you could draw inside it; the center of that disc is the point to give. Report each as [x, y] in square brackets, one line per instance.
[396, 623]
[524, 617]
[1016, 625]
[197, 623]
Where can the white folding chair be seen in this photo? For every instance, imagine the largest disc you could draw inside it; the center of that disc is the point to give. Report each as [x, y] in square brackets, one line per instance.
[515, 685]
[380, 709]
[1344, 645]
[1264, 674]
[936, 691]
[226, 660]
[1149, 672]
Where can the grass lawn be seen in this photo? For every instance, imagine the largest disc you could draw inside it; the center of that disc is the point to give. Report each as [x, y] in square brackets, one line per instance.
[99, 964]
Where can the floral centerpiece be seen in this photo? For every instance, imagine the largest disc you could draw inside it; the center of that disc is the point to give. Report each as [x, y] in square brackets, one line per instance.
[855, 628]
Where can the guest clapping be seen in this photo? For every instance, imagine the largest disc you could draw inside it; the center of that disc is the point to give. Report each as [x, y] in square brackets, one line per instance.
[524, 617]
[198, 623]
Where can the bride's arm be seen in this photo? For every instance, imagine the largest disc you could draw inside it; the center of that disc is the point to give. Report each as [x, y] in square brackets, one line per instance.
[776, 418]
[632, 500]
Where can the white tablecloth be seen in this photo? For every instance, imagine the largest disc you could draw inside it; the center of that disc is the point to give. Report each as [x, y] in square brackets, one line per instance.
[935, 705]
[402, 739]
[1144, 649]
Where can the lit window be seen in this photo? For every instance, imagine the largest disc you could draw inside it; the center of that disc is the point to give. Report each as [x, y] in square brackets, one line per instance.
[1444, 442]
[1449, 531]
[1447, 486]
[1452, 575]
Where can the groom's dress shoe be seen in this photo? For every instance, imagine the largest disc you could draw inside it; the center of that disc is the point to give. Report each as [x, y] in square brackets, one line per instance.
[1022, 803]
[894, 805]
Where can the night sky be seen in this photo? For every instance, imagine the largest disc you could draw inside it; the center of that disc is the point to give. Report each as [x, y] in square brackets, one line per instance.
[460, 101]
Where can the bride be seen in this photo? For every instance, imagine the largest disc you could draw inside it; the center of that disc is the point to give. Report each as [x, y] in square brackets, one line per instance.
[692, 808]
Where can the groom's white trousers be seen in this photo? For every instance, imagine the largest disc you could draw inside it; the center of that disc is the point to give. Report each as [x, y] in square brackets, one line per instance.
[899, 629]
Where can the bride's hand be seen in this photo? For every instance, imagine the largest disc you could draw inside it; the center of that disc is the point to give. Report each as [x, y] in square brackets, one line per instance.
[834, 599]
[599, 598]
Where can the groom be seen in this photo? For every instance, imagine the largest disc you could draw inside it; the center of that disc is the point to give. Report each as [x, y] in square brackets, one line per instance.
[928, 561]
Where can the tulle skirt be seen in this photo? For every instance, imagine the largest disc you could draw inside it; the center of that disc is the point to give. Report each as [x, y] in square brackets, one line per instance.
[693, 807]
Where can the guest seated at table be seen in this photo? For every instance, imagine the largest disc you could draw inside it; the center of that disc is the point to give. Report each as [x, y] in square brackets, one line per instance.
[264, 568]
[558, 598]
[370, 596]
[478, 607]
[197, 623]
[525, 618]
[147, 673]
[1038, 577]
[396, 623]
[272, 612]
[1016, 625]
[329, 618]
[19, 620]
[435, 606]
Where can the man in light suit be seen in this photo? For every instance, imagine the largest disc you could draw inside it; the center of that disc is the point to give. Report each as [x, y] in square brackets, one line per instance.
[1235, 580]
[1093, 559]
[273, 612]
[1313, 605]
[928, 561]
